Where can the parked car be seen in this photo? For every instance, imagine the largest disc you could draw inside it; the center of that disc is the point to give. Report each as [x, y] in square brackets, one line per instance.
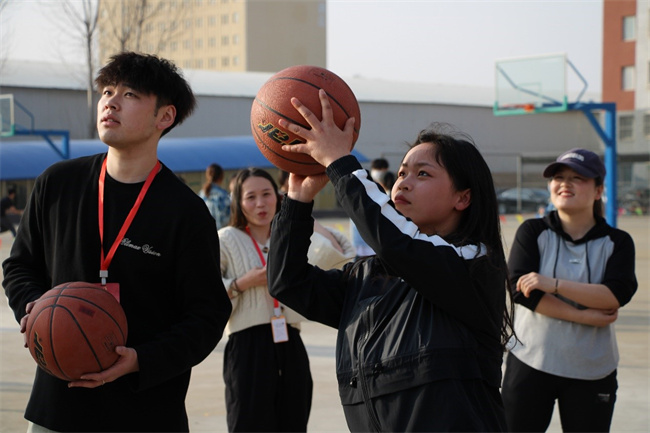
[634, 201]
[531, 200]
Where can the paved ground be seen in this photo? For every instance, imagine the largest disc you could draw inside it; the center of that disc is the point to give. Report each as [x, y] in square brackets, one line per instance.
[205, 400]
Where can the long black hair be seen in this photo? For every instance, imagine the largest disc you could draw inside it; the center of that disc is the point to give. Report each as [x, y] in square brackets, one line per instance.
[479, 222]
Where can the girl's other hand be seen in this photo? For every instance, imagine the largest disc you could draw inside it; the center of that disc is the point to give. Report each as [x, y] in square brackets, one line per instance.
[305, 188]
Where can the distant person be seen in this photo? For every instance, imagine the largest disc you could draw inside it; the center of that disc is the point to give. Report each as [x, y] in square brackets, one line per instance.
[377, 167]
[422, 324]
[386, 179]
[215, 197]
[571, 273]
[9, 214]
[162, 259]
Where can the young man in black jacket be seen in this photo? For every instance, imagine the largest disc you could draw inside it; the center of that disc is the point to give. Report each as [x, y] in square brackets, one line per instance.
[165, 264]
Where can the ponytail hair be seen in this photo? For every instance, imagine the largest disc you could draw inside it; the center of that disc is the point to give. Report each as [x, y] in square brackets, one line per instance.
[213, 174]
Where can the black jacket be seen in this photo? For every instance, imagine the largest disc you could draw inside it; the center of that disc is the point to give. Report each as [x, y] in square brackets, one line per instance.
[422, 312]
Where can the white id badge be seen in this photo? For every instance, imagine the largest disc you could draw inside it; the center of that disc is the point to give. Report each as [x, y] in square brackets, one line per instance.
[279, 327]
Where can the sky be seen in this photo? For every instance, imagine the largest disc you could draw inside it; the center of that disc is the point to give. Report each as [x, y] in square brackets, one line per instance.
[433, 41]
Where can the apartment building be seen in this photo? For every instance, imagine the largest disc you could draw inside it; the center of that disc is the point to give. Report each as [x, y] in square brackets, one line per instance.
[218, 35]
[626, 81]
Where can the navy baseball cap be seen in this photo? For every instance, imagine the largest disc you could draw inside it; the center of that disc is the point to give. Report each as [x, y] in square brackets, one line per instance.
[582, 161]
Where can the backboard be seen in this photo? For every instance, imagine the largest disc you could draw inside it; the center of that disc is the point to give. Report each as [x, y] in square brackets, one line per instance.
[526, 85]
[7, 125]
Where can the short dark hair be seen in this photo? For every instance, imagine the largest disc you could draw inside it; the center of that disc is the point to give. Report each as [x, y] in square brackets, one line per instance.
[379, 164]
[151, 75]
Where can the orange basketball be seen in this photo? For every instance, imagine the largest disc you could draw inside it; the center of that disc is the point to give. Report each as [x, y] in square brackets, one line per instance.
[74, 328]
[273, 102]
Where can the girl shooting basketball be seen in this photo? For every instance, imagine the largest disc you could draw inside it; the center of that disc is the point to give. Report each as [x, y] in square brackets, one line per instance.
[422, 324]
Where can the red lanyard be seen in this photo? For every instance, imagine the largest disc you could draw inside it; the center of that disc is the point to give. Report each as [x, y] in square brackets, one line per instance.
[106, 261]
[276, 304]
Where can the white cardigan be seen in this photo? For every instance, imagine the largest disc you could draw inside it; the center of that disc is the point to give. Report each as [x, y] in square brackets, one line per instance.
[255, 306]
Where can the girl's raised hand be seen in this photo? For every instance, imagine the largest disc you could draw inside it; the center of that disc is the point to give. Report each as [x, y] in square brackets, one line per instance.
[305, 188]
[325, 142]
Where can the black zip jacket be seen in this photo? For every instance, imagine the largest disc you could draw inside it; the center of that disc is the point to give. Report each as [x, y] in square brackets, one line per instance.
[422, 313]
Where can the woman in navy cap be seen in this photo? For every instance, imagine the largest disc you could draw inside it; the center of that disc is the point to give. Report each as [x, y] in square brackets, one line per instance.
[570, 273]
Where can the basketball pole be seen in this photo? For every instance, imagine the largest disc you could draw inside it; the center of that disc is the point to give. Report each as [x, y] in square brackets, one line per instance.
[608, 135]
[63, 152]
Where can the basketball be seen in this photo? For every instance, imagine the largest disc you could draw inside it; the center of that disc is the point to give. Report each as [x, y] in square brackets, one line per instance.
[273, 102]
[74, 328]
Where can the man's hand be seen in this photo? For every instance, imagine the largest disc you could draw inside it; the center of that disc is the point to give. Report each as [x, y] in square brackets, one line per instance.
[23, 321]
[126, 363]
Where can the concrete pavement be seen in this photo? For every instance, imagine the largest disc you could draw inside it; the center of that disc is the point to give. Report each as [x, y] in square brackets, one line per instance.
[205, 401]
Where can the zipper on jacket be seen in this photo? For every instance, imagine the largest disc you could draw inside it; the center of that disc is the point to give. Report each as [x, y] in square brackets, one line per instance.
[374, 421]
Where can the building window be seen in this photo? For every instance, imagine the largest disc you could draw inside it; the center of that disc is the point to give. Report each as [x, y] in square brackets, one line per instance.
[225, 40]
[187, 44]
[212, 62]
[199, 43]
[626, 127]
[224, 19]
[629, 28]
[235, 60]
[235, 39]
[199, 22]
[646, 125]
[212, 21]
[199, 63]
[235, 17]
[174, 45]
[212, 42]
[627, 78]
[225, 62]
[187, 63]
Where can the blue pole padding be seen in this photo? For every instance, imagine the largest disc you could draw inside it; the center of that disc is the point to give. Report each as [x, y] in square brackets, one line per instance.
[608, 135]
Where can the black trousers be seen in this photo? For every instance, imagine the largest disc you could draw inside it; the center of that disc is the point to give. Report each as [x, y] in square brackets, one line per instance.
[6, 224]
[529, 398]
[268, 385]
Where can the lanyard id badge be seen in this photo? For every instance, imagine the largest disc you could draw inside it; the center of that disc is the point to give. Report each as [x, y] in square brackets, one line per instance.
[114, 288]
[279, 328]
[278, 321]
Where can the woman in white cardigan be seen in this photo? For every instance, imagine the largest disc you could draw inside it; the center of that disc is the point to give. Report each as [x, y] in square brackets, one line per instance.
[266, 368]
